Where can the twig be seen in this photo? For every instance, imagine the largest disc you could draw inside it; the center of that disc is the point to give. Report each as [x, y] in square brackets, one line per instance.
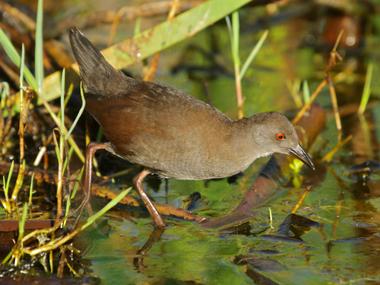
[333, 58]
[24, 107]
[127, 13]
[164, 209]
[13, 76]
[334, 103]
[150, 73]
[307, 106]
[59, 153]
[131, 13]
[17, 14]
[301, 200]
[328, 156]
[40, 174]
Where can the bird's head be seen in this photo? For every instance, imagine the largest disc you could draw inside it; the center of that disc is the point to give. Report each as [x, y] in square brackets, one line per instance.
[274, 133]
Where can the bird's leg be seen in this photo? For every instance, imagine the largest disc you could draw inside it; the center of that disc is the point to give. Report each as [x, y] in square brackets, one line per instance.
[154, 237]
[92, 148]
[148, 204]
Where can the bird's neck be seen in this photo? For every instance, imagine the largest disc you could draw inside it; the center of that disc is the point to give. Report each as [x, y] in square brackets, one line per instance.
[245, 141]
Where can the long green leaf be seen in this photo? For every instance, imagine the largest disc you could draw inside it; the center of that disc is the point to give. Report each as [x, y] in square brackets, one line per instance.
[367, 89]
[81, 110]
[106, 208]
[253, 54]
[38, 49]
[63, 79]
[8, 182]
[157, 38]
[306, 92]
[22, 68]
[14, 56]
[235, 37]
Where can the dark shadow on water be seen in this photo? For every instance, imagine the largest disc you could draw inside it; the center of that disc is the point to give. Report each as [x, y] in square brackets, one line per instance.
[138, 260]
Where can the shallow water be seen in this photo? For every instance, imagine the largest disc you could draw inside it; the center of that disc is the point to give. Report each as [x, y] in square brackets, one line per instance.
[344, 249]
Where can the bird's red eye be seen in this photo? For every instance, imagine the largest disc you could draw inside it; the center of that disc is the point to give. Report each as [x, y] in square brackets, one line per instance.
[280, 136]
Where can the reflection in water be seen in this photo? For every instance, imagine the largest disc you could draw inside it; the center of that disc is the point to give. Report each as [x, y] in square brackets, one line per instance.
[138, 260]
[363, 190]
[367, 222]
[256, 265]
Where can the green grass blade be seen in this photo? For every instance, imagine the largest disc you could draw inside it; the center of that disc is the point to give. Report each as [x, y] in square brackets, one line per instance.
[106, 208]
[57, 121]
[31, 190]
[253, 54]
[67, 159]
[13, 55]
[8, 182]
[77, 184]
[22, 68]
[63, 78]
[235, 38]
[229, 28]
[81, 110]
[306, 92]
[367, 89]
[38, 49]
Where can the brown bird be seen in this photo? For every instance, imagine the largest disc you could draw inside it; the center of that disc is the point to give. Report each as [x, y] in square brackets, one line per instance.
[169, 132]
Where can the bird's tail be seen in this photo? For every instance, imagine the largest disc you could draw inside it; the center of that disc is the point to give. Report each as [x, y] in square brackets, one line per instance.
[98, 76]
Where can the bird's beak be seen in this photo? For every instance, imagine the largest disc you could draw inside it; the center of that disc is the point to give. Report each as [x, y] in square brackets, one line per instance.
[302, 155]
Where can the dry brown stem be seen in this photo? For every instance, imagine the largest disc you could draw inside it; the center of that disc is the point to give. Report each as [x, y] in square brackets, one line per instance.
[150, 73]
